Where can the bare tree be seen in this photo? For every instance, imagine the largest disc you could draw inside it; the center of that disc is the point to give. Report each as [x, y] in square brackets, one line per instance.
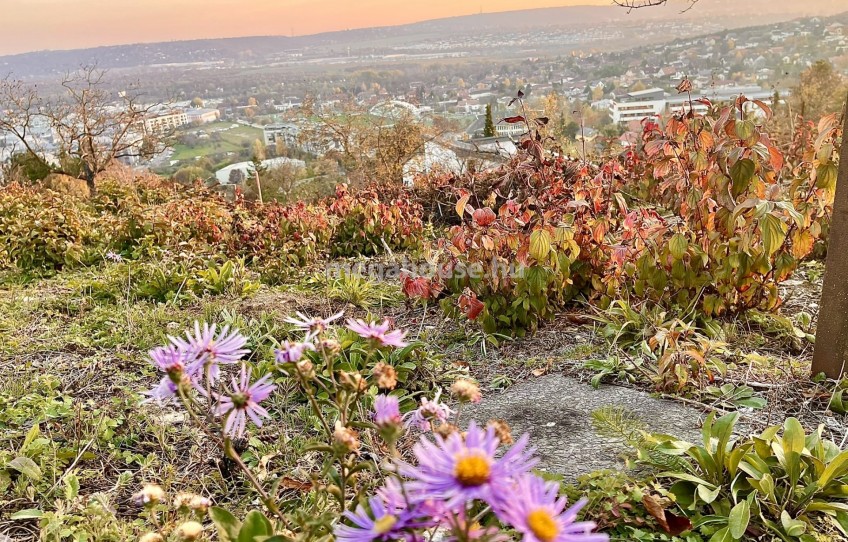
[368, 146]
[637, 4]
[90, 126]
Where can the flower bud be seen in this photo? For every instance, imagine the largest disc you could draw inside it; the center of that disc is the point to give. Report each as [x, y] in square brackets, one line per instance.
[352, 381]
[190, 530]
[200, 504]
[445, 430]
[150, 494]
[191, 501]
[306, 369]
[466, 391]
[502, 431]
[330, 346]
[151, 537]
[346, 439]
[386, 376]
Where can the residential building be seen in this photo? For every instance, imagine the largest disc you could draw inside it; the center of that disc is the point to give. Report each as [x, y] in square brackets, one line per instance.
[197, 115]
[165, 121]
[638, 105]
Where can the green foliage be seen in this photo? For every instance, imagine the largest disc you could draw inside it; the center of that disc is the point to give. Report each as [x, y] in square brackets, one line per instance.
[139, 218]
[489, 126]
[783, 482]
[231, 277]
[730, 396]
[615, 504]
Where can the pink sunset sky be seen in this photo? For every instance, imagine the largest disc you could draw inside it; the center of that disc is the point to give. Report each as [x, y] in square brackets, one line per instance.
[27, 25]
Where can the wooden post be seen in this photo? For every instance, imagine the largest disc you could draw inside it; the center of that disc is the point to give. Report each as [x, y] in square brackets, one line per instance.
[258, 186]
[831, 352]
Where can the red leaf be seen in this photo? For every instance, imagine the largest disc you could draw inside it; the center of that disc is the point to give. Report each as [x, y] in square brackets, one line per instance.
[470, 305]
[672, 524]
[514, 120]
[484, 217]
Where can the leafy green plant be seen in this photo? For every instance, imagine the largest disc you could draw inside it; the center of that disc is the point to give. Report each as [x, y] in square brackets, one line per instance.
[783, 482]
[231, 277]
[731, 396]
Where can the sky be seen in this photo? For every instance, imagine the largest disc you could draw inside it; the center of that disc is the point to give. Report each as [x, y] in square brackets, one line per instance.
[30, 25]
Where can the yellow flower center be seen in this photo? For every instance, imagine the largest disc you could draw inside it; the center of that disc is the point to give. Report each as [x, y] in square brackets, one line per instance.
[473, 470]
[384, 524]
[542, 523]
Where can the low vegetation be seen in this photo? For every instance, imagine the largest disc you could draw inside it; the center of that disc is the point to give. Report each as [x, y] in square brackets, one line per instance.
[176, 366]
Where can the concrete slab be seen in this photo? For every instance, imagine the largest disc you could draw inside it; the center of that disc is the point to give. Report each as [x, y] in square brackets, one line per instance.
[556, 411]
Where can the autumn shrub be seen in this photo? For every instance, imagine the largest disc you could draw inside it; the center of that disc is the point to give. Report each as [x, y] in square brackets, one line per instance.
[139, 218]
[43, 229]
[735, 221]
[703, 213]
[367, 225]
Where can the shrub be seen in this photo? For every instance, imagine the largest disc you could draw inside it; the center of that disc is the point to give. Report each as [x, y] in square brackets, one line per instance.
[367, 225]
[703, 214]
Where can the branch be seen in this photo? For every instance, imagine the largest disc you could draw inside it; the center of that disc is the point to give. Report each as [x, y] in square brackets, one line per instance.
[630, 5]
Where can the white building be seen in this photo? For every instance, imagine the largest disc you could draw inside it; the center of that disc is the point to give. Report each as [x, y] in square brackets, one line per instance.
[458, 156]
[197, 115]
[246, 168]
[638, 105]
[653, 103]
[165, 121]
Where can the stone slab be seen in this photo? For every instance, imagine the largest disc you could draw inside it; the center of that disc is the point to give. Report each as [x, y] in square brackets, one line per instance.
[556, 411]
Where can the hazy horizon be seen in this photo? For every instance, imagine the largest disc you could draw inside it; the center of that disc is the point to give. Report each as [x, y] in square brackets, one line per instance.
[35, 25]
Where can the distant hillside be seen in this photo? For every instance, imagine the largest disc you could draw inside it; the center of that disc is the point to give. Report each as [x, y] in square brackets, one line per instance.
[728, 13]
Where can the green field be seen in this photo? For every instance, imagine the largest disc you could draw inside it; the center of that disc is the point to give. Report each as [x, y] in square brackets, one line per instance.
[232, 140]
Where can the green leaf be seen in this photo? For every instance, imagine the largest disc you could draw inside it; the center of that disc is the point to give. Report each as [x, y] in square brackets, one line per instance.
[28, 513]
[226, 523]
[678, 245]
[793, 436]
[738, 520]
[741, 173]
[72, 486]
[773, 232]
[722, 535]
[793, 527]
[744, 129]
[835, 469]
[708, 495]
[540, 244]
[826, 175]
[27, 467]
[255, 525]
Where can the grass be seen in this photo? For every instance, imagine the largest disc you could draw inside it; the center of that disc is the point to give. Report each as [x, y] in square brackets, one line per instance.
[232, 140]
[72, 369]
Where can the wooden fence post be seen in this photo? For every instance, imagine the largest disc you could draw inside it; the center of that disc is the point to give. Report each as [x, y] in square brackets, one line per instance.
[258, 186]
[831, 352]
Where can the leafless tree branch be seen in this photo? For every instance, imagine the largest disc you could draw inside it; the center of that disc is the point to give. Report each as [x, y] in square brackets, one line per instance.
[91, 126]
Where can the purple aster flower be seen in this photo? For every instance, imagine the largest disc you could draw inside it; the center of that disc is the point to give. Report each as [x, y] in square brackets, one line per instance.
[292, 352]
[163, 392]
[386, 410]
[312, 326]
[426, 413]
[458, 470]
[114, 256]
[169, 359]
[205, 349]
[379, 333]
[536, 510]
[243, 402]
[393, 516]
